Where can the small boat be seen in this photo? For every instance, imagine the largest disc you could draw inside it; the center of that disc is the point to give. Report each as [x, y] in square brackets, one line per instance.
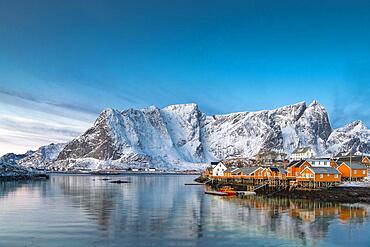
[228, 190]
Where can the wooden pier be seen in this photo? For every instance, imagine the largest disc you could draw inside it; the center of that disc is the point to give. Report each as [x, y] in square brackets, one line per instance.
[271, 184]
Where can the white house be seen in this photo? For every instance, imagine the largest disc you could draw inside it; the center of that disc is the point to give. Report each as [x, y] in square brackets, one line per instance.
[302, 153]
[320, 162]
[219, 169]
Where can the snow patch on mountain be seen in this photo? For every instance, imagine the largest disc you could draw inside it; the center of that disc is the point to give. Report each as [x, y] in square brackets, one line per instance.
[42, 156]
[354, 137]
[182, 137]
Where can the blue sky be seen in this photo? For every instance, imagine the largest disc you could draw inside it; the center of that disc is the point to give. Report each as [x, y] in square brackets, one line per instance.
[61, 62]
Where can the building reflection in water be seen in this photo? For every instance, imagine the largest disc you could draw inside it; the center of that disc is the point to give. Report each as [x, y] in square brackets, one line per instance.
[161, 211]
[162, 207]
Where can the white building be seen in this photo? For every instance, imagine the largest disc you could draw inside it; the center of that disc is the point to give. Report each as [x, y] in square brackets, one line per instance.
[219, 169]
[319, 162]
[302, 153]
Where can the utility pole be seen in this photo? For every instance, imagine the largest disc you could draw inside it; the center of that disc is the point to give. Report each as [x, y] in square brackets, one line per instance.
[350, 165]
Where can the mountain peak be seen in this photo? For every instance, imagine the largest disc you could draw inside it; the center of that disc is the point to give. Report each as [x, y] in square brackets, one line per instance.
[357, 124]
[105, 114]
[182, 107]
[181, 134]
[316, 104]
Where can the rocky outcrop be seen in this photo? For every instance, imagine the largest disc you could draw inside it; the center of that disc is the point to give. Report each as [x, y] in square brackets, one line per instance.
[181, 136]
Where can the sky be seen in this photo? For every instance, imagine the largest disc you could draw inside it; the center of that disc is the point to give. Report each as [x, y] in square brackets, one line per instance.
[62, 62]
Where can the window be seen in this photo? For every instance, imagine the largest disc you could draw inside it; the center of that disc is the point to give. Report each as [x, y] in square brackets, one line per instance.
[336, 175]
[355, 171]
[321, 175]
[363, 172]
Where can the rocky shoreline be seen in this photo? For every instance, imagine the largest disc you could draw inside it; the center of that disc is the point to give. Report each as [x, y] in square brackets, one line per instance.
[334, 194]
[23, 177]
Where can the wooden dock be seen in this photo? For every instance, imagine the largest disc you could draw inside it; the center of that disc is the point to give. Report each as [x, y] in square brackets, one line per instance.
[216, 193]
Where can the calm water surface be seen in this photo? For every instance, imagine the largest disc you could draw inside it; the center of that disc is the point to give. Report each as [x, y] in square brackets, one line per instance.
[157, 210]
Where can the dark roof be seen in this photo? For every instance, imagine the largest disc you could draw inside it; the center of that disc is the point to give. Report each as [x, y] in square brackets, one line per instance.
[236, 171]
[282, 170]
[349, 158]
[249, 170]
[296, 163]
[293, 163]
[324, 170]
[230, 169]
[215, 162]
[355, 165]
[274, 169]
[301, 150]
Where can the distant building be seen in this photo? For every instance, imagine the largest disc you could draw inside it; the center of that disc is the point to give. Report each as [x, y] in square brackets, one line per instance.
[302, 153]
[150, 169]
[320, 162]
[270, 157]
[365, 160]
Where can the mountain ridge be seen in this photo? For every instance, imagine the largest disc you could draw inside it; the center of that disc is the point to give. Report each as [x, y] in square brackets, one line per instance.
[181, 134]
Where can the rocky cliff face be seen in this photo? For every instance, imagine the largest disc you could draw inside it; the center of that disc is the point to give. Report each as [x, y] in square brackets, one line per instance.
[42, 156]
[245, 134]
[181, 136]
[353, 137]
[148, 136]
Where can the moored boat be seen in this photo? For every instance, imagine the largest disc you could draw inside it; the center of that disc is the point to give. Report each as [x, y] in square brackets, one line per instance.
[229, 190]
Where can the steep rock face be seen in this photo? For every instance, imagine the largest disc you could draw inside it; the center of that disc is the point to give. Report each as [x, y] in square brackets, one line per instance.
[313, 127]
[148, 136]
[354, 137]
[246, 133]
[181, 134]
[42, 156]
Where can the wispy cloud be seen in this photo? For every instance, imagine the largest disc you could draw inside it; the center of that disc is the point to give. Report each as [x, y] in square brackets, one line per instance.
[28, 97]
[28, 123]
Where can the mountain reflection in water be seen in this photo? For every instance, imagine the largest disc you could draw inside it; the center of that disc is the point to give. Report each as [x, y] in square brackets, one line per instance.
[158, 210]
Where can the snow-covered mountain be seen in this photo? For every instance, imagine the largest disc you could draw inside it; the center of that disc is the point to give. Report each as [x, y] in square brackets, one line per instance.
[42, 156]
[10, 168]
[182, 137]
[352, 137]
[182, 134]
[22, 163]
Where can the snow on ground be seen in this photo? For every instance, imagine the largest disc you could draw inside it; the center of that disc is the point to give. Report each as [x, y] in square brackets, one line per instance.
[365, 183]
